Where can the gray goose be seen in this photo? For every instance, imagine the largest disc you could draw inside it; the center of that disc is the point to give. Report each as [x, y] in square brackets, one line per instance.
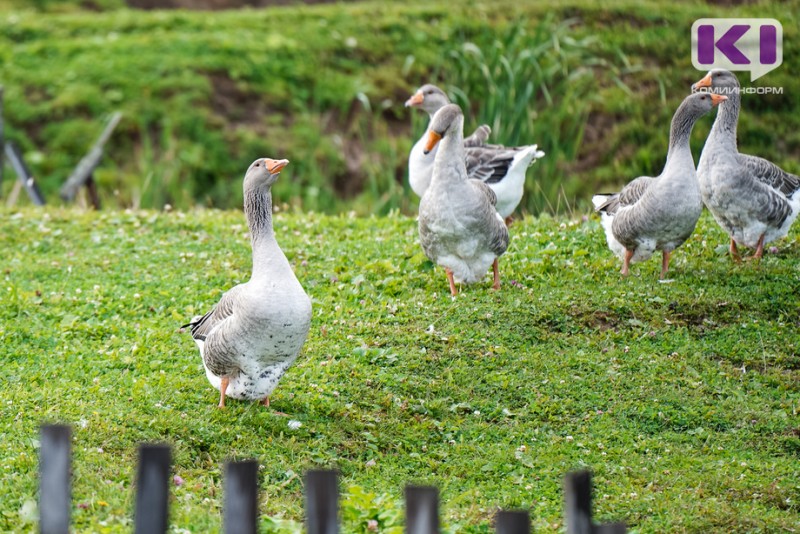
[751, 198]
[501, 168]
[658, 213]
[256, 330]
[459, 227]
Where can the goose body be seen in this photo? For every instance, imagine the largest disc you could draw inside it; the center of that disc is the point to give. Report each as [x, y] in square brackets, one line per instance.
[751, 198]
[459, 227]
[658, 213]
[257, 329]
[502, 168]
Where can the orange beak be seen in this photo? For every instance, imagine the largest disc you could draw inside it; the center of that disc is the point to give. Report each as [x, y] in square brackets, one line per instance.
[433, 138]
[705, 82]
[415, 100]
[717, 99]
[274, 166]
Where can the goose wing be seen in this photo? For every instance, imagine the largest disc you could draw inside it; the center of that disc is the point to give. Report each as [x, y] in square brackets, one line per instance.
[488, 163]
[629, 195]
[478, 137]
[770, 174]
[487, 217]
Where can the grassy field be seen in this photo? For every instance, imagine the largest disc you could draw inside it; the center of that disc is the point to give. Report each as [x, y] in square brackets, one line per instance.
[593, 83]
[682, 397]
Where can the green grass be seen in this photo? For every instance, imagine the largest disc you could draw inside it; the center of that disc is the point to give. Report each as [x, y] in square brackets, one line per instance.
[682, 397]
[204, 94]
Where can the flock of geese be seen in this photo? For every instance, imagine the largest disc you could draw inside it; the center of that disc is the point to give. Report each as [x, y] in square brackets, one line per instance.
[468, 189]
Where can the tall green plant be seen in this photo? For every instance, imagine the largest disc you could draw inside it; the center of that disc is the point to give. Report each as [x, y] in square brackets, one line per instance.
[534, 84]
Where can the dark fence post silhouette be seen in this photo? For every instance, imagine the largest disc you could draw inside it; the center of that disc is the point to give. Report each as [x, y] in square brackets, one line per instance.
[83, 172]
[241, 497]
[578, 502]
[152, 489]
[322, 502]
[54, 479]
[151, 515]
[611, 528]
[15, 158]
[422, 510]
[512, 522]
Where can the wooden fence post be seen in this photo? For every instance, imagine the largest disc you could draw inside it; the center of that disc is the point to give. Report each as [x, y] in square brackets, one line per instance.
[152, 489]
[610, 528]
[512, 522]
[322, 502]
[24, 175]
[241, 497]
[422, 510]
[83, 172]
[578, 502]
[54, 479]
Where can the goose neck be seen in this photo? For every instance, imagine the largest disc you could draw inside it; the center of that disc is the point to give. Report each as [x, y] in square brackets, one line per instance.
[258, 210]
[451, 152]
[680, 132]
[724, 128]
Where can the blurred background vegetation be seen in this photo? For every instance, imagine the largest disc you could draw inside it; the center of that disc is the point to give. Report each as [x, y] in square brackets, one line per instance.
[203, 93]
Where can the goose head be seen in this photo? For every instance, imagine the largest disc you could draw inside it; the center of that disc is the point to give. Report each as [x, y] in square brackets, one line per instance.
[428, 98]
[718, 81]
[698, 104]
[263, 172]
[446, 121]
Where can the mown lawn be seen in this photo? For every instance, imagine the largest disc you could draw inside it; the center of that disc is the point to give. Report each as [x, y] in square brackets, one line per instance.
[682, 397]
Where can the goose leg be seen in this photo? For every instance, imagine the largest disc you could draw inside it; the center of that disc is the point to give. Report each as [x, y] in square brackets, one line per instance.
[735, 252]
[223, 387]
[452, 282]
[664, 263]
[626, 262]
[759, 248]
[265, 402]
[496, 271]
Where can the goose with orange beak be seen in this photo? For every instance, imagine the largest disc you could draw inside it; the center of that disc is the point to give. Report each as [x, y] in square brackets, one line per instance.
[502, 168]
[257, 329]
[459, 227]
[751, 198]
[658, 213]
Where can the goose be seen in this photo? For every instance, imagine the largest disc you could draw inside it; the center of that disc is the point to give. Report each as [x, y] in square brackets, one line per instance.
[658, 213]
[459, 227]
[501, 168]
[256, 330]
[751, 198]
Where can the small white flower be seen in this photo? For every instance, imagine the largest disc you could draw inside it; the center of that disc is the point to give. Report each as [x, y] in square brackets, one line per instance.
[294, 425]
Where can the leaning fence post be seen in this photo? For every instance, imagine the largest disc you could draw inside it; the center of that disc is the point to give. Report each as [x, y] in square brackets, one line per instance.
[152, 489]
[54, 479]
[241, 497]
[24, 175]
[322, 502]
[422, 510]
[512, 522]
[83, 172]
[578, 502]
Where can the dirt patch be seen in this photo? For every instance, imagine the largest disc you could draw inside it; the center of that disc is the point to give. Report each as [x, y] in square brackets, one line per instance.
[596, 142]
[596, 320]
[240, 107]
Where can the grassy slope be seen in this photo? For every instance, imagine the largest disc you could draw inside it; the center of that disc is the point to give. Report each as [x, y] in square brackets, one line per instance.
[205, 94]
[682, 397]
